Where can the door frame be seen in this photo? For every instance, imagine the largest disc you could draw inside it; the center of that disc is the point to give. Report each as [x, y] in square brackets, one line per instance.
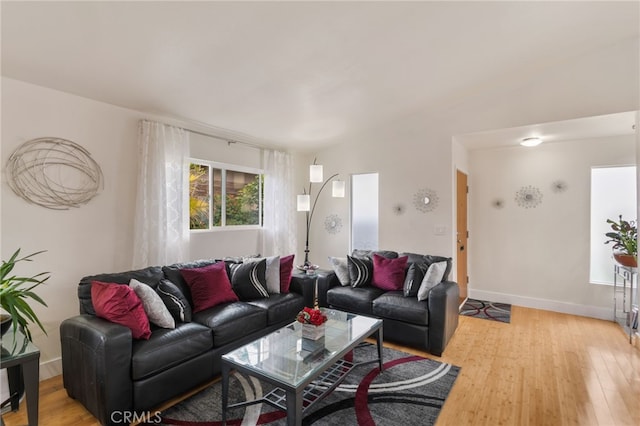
[462, 241]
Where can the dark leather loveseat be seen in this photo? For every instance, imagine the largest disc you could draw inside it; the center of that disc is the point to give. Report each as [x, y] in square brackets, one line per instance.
[424, 324]
[114, 375]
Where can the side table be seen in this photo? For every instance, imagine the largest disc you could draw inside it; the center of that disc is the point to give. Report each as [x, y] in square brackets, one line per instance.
[625, 299]
[315, 287]
[20, 353]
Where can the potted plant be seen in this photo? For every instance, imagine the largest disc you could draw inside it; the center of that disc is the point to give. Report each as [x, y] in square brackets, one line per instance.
[15, 293]
[625, 241]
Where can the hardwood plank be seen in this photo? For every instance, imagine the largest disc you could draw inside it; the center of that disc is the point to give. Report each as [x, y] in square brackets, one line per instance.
[544, 368]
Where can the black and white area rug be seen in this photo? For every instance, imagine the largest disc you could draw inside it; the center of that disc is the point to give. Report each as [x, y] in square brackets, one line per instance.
[500, 312]
[411, 390]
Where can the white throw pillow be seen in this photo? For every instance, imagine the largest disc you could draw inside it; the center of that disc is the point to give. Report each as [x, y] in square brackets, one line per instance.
[153, 305]
[434, 275]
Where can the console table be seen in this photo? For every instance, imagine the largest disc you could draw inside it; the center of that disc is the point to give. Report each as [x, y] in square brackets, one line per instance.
[20, 353]
[625, 298]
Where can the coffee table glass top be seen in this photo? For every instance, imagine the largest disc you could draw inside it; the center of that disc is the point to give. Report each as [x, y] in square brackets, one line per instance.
[286, 357]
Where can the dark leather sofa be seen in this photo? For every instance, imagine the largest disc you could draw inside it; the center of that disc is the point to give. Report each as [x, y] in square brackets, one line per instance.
[427, 325]
[114, 375]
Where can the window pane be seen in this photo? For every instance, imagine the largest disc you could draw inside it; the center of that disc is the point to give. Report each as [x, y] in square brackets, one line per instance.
[198, 196]
[242, 198]
[364, 211]
[613, 193]
[216, 209]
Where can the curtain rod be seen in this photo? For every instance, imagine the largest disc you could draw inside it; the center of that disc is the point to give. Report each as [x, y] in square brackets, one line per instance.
[232, 141]
[229, 141]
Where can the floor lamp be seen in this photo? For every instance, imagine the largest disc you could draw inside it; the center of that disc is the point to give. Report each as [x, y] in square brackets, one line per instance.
[305, 205]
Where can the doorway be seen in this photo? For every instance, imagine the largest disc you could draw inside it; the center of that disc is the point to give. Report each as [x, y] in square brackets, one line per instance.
[462, 233]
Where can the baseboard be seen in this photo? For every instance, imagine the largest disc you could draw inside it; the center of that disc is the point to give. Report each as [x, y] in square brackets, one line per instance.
[50, 368]
[544, 304]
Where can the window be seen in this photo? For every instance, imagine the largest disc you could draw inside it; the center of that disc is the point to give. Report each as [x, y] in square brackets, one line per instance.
[364, 211]
[222, 195]
[613, 193]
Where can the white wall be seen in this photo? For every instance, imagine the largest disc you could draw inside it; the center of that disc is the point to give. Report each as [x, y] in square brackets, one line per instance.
[97, 237]
[406, 163]
[538, 257]
[411, 156]
[91, 239]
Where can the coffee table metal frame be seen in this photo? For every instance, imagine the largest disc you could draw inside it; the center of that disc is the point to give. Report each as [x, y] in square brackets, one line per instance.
[297, 400]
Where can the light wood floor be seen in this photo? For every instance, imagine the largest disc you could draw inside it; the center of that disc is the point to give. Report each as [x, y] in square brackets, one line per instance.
[544, 368]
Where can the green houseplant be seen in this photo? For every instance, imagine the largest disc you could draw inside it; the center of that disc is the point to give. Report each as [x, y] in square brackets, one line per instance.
[624, 237]
[16, 292]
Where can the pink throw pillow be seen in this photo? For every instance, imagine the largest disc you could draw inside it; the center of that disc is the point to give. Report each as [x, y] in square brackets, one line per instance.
[388, 274]
[209, 285]
[119, 304]
[286, 269]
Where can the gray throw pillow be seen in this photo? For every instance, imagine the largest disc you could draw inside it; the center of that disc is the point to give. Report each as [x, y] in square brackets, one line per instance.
[153, 305]
[341, 269]
[434, 275]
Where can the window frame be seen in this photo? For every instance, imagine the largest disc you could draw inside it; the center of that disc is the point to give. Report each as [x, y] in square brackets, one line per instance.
[600, 236]
[224, 167]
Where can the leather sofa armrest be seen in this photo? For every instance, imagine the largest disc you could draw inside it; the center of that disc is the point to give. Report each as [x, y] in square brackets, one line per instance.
[96, 366]
[443, 315]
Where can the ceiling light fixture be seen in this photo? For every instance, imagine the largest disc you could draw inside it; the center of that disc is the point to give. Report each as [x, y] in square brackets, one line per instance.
[529, 142]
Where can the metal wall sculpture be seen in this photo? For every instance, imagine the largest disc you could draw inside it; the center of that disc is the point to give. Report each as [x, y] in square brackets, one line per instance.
[54, 173]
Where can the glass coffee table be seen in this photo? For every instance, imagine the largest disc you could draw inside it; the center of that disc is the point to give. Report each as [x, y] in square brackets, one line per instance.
[303, 371]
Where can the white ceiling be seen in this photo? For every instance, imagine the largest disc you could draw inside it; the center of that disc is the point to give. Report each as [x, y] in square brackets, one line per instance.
[296, 75]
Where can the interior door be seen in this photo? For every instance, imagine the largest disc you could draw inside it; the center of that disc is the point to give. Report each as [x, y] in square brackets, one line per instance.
[462, 232]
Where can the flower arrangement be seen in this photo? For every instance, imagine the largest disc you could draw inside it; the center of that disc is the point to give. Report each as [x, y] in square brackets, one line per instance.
[311, 316]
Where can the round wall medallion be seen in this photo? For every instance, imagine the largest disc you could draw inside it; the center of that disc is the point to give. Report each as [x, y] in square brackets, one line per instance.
[54, 173]
[498, 203]
[333, 224]
[559, 186]
[398, 209]
[529, 197]
[425, 200]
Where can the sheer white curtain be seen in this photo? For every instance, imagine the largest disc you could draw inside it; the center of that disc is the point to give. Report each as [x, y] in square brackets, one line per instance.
[279, 226]
[161, 228]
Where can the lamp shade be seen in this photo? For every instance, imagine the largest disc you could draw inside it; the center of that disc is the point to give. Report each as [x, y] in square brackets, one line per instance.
[337, 189]
[304, 203]
[315, 173]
